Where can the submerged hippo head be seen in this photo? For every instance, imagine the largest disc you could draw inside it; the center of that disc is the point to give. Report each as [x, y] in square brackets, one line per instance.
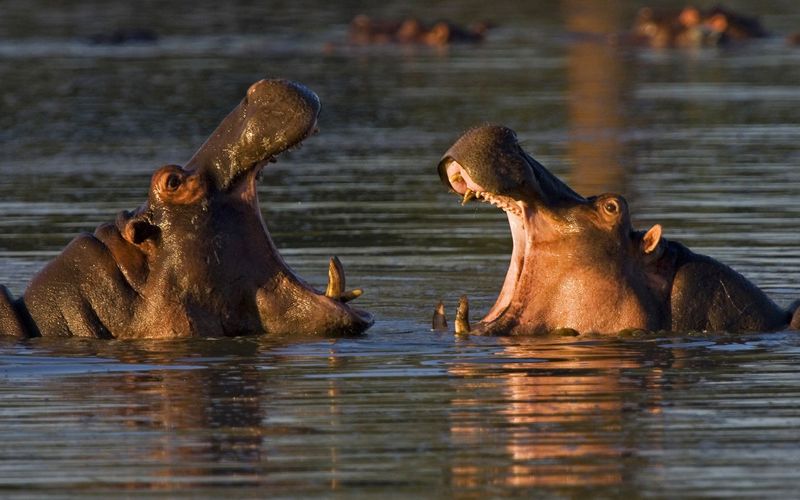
[196, 259]
[576, 262]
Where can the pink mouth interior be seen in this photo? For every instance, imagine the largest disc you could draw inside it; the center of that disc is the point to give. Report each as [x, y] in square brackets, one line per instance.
[461, 181]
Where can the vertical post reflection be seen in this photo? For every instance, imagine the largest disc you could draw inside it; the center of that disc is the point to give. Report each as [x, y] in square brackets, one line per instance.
[595, 77]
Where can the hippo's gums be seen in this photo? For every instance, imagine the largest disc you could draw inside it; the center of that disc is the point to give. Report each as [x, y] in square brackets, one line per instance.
[196, 258]
[578, 264]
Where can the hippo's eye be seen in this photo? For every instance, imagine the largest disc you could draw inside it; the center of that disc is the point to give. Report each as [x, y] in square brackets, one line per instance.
[173, 182]
[611, 207]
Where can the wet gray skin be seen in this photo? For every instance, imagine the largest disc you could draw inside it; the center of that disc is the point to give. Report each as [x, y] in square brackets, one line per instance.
[578, 264]
[196, 259]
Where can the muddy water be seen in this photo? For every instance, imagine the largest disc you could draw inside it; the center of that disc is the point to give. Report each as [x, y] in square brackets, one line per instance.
[703, 142]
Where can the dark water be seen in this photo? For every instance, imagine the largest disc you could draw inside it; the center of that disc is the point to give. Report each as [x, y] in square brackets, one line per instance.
[704, 142]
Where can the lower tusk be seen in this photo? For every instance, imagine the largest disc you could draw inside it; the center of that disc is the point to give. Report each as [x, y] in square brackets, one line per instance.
[462, 316]
[439, 319]
[352, 294]
[335, 279]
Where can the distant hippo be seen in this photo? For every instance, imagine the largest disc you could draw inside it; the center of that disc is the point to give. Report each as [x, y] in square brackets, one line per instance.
[578, 264]
[195, 260]
[365, 30]
[692, 27]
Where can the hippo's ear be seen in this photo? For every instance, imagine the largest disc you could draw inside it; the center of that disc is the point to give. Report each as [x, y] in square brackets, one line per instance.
[718, 22]
[439, 34]
[651, 239]
[141, 232]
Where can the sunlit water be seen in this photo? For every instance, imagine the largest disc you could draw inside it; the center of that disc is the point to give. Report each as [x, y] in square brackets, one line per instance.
[703, 142]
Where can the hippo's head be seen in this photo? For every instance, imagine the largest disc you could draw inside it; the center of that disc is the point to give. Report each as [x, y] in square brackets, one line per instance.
[198, 254]
[576, 262]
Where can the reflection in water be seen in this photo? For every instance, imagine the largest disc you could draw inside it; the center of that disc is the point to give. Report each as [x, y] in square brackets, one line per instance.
[197, 426]
[223, 425]
[400, 412]
[596, 74]
[412, 414]
[562, 413]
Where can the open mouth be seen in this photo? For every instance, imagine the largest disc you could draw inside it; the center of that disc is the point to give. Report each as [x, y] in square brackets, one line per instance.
[488, 164]
[335, 289]
[520, 217]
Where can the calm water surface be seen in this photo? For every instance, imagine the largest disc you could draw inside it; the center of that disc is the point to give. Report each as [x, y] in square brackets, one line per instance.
[703, 142]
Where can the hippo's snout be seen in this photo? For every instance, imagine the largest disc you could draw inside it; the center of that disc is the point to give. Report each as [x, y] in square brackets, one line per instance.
[490, 155]
[493, 159]
[283, 94]
[274, 116]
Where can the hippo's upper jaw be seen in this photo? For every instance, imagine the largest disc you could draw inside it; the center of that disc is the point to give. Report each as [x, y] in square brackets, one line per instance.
[274, 116]
[196, 258]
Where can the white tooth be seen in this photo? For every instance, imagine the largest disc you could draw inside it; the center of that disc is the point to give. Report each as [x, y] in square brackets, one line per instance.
[468, 195]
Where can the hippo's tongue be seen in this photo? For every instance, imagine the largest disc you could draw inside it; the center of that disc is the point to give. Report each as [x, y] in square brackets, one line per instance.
[274, 116]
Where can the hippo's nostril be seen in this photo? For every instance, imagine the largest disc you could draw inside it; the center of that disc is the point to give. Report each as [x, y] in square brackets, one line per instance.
[253, 90]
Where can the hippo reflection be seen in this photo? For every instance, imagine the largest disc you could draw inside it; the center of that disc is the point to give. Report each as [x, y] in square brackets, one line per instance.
[196, 258]
[577, 263]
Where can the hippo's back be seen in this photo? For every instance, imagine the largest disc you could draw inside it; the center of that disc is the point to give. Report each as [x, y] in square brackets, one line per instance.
[710, 296]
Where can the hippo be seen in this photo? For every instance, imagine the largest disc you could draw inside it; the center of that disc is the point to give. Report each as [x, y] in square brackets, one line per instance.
[365, 30]
[196, 259]
[577, 263]
[124, 36]
[692, 27]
